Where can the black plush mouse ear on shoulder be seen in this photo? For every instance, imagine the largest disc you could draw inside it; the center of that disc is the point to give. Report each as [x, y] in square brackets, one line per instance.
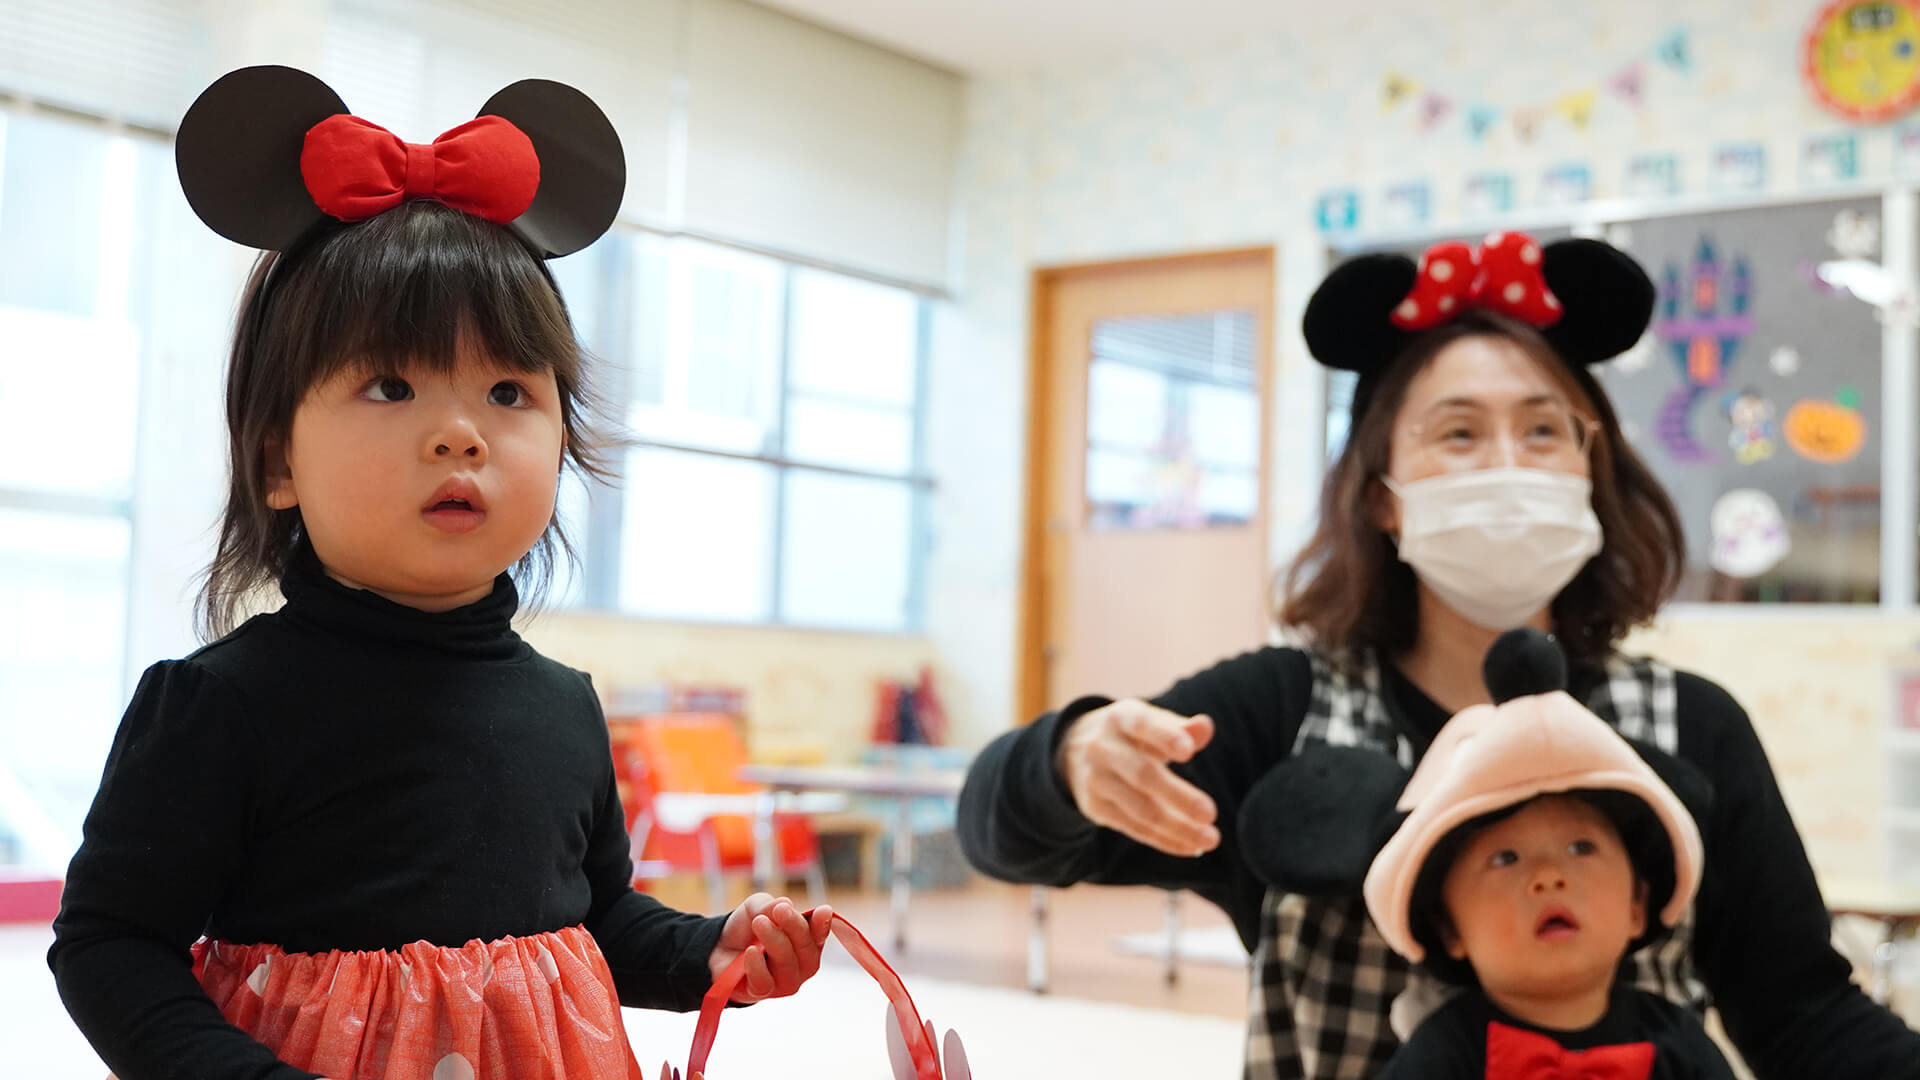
[1314, 822]
[238, 154]
[583, 172]
[1608, 299]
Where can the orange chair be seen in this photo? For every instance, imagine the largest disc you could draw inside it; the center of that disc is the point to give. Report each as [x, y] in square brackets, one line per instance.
[701, 753]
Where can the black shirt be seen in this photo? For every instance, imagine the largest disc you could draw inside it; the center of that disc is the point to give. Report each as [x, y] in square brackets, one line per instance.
[1762, 940]
[1452, 1043]
[348, 773]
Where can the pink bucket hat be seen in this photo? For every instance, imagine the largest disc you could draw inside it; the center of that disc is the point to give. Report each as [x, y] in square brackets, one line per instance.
[1334, 821]
[1491, 757]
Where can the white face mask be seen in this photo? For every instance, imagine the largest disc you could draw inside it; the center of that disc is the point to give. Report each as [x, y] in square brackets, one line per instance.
[1497, 545]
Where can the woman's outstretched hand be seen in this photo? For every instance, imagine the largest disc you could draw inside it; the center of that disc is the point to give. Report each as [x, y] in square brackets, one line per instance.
[1115, 762]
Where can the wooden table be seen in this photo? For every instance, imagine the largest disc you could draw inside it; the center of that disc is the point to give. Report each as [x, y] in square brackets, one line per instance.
[1895, 907]
[900, 785]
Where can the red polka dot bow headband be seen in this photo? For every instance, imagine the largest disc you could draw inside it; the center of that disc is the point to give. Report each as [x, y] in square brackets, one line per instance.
[1503, 275]
[1590, 301]
[268, 154]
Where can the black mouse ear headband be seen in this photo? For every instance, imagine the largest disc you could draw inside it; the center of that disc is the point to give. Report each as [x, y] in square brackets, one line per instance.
[1590, 300]
[268, 153]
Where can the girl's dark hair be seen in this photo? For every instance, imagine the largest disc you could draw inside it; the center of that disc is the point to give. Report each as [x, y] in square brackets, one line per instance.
[398, 291]
[1350, 593]
[1648, 848]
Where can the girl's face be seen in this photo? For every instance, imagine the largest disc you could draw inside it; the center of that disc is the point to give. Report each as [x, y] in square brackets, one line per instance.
[1545, 902]
[419, 486]
[1483, 403]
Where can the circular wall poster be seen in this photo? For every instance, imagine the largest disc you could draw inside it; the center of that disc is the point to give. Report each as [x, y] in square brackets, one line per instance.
[1861, 58]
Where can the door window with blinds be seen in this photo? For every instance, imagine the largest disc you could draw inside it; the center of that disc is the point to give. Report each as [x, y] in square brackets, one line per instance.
[1173, 422]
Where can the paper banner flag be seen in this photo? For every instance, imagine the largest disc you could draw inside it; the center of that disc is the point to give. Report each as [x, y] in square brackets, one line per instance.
[1630, 83]
[1526, 122]
[1480, 120]
[1395, 91]
[1673, 51]
[1433, 109]
[1577, 107]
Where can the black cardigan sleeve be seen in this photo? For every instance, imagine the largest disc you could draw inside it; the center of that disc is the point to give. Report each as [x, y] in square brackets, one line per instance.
[1018, 822]
[1764, 939]
[159, 847]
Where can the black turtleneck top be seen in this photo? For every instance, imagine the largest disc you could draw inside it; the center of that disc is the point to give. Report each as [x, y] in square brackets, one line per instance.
[348, 773]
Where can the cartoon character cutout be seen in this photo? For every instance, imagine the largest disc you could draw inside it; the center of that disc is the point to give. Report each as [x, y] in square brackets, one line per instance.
[1749, 533]
[1754, 435]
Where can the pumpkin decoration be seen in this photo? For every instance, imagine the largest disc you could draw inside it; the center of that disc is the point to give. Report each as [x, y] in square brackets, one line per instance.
[1826, 432]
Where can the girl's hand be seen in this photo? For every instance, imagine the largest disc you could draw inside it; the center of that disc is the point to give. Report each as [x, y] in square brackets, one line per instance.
[784, 949]
[1114, 761]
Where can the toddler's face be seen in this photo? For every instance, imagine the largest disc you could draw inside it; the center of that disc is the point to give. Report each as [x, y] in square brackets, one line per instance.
[423, 486]
[1544, 902]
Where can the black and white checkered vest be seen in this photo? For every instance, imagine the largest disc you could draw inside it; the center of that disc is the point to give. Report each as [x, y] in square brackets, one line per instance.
[1324, 981]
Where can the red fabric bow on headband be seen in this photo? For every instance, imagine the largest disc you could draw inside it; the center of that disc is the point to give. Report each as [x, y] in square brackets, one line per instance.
[1503, 276]
[1513, 1054]
[355, 169]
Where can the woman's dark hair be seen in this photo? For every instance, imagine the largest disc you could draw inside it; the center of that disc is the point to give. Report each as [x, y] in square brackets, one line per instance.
[1648, 847]
[1349, 591]
[399, 291]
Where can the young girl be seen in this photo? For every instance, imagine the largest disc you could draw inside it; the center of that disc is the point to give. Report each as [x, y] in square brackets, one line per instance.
[374, 833]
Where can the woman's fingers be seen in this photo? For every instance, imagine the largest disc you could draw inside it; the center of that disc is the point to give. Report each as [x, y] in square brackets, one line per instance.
[1115, 762]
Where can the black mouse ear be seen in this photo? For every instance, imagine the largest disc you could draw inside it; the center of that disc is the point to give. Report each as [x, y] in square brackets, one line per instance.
[1314, 822]
[1606, 296]
[583, 172]
[1349, 319]
[238, 154]
[1522, 663]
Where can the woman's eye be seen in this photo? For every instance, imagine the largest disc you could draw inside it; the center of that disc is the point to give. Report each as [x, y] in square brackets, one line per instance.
[510, 394]
[1457, 435]
[1502, 858]
[1583, 847]
[388, 388]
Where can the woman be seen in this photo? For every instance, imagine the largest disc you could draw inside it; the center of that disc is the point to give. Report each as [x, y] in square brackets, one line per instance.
[1485, 485]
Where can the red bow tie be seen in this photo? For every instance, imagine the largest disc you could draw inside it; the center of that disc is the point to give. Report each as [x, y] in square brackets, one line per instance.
[355, 169]
[1513, 1054]
[1503, 276]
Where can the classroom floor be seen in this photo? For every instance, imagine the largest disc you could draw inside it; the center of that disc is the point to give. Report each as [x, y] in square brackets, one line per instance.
[965, 965]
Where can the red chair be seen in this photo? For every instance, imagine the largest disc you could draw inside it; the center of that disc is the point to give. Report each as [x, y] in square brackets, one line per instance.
[700, 754]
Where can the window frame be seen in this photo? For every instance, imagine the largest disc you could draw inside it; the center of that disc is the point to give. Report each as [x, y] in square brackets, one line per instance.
[601, 568]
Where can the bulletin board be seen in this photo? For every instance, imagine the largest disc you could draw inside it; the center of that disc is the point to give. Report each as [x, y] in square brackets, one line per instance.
[1755, 398]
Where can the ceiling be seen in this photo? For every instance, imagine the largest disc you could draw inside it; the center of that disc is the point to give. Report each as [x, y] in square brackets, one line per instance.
[995, 36]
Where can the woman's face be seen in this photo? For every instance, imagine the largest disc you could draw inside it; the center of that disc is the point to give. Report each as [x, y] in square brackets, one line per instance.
[1483, 403]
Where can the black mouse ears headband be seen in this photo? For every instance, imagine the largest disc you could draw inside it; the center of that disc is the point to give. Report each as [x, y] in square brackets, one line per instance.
[267, 153]
[1590, 300]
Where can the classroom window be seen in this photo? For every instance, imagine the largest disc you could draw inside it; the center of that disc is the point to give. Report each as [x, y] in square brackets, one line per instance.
[773, 411]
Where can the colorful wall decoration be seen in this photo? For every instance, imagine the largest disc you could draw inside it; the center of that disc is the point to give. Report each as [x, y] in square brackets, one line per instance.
[1702, 318]
[1434, 108]
[1860, 59]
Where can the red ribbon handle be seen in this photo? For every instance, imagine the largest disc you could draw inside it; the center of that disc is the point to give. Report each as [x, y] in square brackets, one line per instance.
[916, 1034]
